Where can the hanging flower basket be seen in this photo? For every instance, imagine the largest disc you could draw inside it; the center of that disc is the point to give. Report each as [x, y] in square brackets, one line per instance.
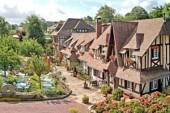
[112, 57]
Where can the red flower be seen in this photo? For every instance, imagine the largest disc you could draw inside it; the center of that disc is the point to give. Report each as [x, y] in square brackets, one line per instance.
[156, 105]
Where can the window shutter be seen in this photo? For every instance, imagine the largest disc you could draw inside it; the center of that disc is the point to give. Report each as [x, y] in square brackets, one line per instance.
[152, 53]
[125, 84]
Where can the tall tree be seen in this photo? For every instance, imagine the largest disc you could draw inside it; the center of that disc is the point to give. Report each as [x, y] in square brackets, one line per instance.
[39, 66]
[166, 10]
[156, 12]
[30, 46]
[106, 13]
[137, 13]
[34, 29]
[3, 27]
[88, 19]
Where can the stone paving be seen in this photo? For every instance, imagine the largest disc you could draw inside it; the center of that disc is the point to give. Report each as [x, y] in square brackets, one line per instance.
[76, 86]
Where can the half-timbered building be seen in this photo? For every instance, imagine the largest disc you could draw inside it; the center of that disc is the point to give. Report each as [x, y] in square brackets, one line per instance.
[144, 58]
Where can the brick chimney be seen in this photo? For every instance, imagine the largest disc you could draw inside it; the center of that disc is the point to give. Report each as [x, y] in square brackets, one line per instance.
[98, 26]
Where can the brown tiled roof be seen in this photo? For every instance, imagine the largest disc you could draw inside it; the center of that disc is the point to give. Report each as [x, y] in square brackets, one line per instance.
[68, 27]
[135, 42]
[102, 40]
[151, 29]
[55, 26]
[82, 38]
[83, 25]
[121, 32]
[136, 76]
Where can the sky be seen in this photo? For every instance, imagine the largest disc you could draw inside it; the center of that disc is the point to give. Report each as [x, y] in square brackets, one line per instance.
[16, 11]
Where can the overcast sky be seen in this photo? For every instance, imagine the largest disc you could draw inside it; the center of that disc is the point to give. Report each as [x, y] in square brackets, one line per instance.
[16, 11]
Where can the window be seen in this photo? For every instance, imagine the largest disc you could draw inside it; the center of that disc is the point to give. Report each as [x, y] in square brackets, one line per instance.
[155, 52]
[129, 85]
[120, 82]
[130, 55]
[154, 85]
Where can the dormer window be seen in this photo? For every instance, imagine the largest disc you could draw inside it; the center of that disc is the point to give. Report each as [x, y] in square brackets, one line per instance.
[155, 52]
[130, 55]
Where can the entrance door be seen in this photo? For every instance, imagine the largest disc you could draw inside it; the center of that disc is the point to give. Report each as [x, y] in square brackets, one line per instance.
[159, 85]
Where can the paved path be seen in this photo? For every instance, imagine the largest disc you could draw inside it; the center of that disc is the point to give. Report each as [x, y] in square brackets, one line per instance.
[76, 86]
[55, 106]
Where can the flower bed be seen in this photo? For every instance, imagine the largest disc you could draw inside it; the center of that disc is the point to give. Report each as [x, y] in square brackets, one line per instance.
[154, 103]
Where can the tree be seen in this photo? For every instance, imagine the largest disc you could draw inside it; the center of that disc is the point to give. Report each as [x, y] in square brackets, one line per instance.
[156, 12]
[10, 43]
[166, 10]
[105, 89]
[118, 17]
[9, 60]
[38, 66]
[88, 19]
[3, 27]
[137, 13]
[30, 46]
[106, 13]
[34, 29]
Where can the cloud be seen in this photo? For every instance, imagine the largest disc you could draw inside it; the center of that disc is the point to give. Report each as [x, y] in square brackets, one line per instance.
[13, 15]
[60, 11]
[167, 1]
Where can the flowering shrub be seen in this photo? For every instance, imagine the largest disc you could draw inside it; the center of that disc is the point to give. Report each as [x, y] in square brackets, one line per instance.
[117, 94]
[156, 103]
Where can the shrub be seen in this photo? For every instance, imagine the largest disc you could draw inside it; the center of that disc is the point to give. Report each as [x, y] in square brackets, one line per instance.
[85, 99]
[138, 110]
[105, 89]
[11, 79]
[50, 93]
[117, 94]
[74, 110]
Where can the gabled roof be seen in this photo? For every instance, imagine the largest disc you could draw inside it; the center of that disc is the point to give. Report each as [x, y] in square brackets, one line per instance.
[72, 23]
[151, 28]
[121, 32]
[83, 25]
[82, 38]
[102, 39]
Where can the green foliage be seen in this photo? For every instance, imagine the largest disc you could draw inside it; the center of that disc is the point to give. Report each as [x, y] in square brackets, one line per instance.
[74, 110]
[88, 19]
[1, 82]
[156, 12]
[34, 29]
[117, 94]
[106, 13]
[166, 10]
[50, 93]
[85, 99]
[11, 79]
[10, 43]
[3, 27]
[105, 89]
[39, 66]
[31, 47]
[9, 60]
[137, 13]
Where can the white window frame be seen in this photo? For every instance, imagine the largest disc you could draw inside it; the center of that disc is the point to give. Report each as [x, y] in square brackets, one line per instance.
[154, 85]
[129, 85]
[155, 53]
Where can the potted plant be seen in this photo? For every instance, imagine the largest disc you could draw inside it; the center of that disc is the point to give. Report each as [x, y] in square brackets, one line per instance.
[85, 99]
[105, 89]
[74, 110]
